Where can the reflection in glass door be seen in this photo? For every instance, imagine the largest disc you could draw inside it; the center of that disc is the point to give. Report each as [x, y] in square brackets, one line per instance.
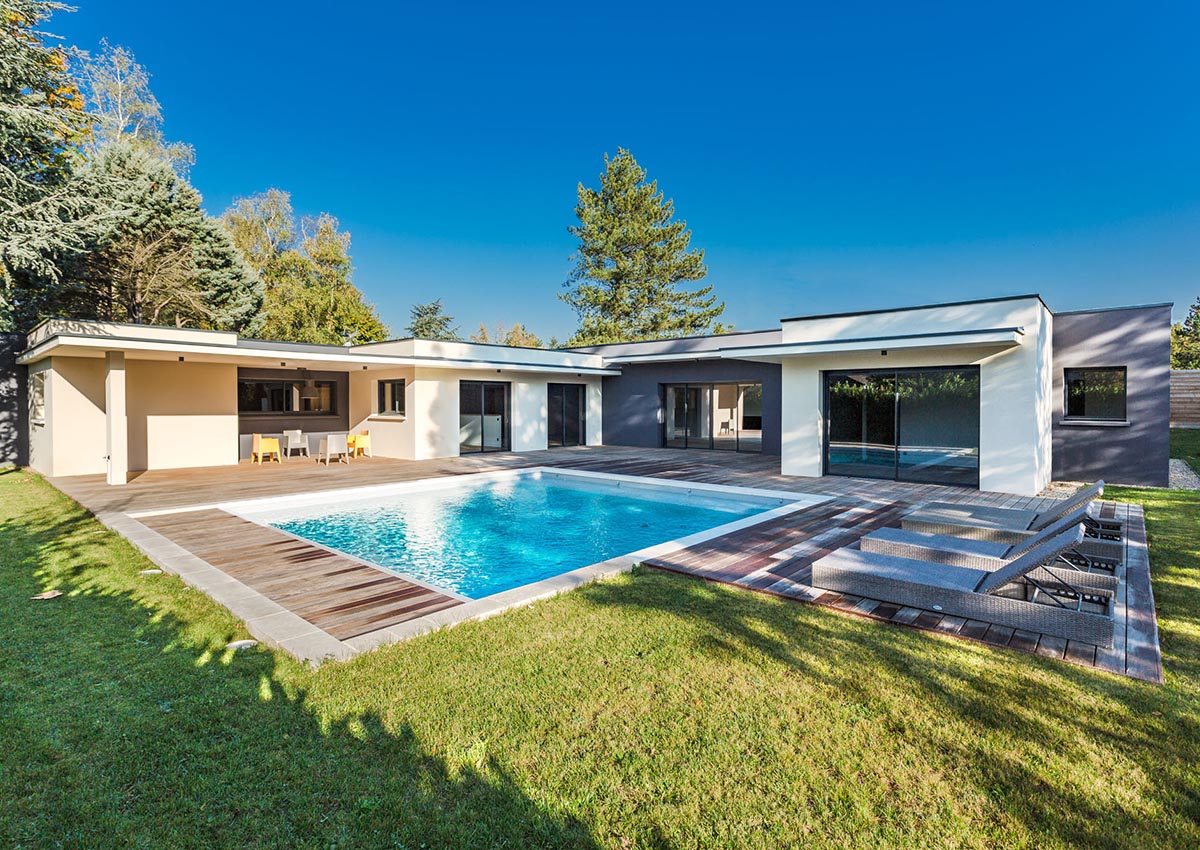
[713, 416]
[937, 426]
[861, 415]
[566, 415]
[483, 424]
[919, 425]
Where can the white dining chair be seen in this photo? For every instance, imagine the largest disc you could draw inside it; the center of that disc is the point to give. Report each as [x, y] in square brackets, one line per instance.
[294, 440]
[335, 444]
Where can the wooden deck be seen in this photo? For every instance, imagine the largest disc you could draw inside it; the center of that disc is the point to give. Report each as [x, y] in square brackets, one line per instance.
[337, 595]
[345, 600]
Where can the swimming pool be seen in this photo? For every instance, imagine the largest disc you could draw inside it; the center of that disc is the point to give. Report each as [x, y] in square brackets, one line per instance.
[479, 535]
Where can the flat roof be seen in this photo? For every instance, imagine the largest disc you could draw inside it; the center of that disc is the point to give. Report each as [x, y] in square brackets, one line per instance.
[919, 307]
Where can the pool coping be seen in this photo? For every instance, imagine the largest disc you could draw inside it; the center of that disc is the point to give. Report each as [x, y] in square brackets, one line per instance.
[274, 624]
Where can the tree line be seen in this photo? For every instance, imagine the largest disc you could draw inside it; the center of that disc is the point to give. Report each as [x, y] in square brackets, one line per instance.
[98, 220]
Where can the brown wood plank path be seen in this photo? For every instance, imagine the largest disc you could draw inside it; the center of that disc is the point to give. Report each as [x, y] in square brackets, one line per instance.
[340, 596]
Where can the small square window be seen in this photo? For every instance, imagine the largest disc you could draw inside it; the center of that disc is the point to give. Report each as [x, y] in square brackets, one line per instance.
[391, 398]
[1095, 394]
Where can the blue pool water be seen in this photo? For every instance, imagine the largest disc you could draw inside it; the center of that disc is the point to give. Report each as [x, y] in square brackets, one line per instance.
[484, 537]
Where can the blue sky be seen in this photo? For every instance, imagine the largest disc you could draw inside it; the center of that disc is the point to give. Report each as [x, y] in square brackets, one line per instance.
[827, 157]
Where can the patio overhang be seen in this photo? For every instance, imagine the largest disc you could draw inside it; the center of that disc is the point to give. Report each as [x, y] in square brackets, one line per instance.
[219, 347]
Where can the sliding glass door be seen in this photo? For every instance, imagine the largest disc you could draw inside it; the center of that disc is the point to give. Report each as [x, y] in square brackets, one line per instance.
[919, 425]
[726, 417]
[566, 414]
[483, 417]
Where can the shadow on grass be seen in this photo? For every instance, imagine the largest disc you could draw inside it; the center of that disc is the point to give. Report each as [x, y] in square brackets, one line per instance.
[1079, 755]
[124, 726]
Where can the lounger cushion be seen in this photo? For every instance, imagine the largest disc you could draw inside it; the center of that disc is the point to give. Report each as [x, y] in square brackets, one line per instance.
[983, 515]
[900, 569]
[940, 548]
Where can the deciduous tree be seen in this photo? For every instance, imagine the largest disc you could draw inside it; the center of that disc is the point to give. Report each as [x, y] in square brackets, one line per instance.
[630, 261]
[306, 266]
[518, 335]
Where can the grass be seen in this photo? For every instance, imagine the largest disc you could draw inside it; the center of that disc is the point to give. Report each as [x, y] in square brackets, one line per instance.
[1185, 443]
[648, 711]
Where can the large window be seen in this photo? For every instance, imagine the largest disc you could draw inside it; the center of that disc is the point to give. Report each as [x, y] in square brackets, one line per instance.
[1096, 394]
[391, 398]
[713, 416]
[917, 425]
[483, 417]
[291, 397]
[566, 415]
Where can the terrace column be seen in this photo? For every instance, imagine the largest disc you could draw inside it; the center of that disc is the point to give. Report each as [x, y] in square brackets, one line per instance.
[115, 423]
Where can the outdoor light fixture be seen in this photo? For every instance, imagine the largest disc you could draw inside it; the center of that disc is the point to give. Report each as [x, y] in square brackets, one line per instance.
[309, 389]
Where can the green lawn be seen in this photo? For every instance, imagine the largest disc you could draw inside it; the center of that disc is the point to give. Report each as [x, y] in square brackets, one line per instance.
[648, 711]
[1185, 443]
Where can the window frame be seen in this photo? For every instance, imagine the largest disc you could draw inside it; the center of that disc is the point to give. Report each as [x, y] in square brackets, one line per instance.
[381, 392]
[293, 383]
[1124, 417]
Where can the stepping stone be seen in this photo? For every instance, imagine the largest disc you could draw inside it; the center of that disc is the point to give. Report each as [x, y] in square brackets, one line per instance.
[241, 644]
[150, 573]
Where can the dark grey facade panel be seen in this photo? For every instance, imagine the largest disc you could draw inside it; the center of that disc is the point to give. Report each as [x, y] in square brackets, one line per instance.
[1139, 339]
[314, 426]
[633, 400]
[14, 426]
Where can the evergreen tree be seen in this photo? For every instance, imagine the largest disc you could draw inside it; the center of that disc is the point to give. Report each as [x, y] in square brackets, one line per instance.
[630, 261]
[306, 266]
[162, 262]
[43, 124]
[1185, 340]
[429, 321]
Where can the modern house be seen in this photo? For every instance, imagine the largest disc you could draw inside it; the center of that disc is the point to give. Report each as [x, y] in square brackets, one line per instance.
[999, 393]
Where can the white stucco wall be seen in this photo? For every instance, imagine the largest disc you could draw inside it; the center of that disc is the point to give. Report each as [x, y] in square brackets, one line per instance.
[181, 414]
[434, 407]
[1014, 438]
[391, 436]
[75, 416]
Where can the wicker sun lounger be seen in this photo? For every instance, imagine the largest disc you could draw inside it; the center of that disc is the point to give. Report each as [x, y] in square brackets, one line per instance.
[1006, 525]
[1077, 567]
[1010, 596]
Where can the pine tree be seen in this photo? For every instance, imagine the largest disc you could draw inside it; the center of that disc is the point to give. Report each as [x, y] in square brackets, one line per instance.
[163, 261]
[630, 261]
[1185, 340]
[43, 125]
[429, 321]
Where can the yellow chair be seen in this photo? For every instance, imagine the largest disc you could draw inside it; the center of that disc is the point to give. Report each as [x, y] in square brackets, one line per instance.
[260, 445]
[360, 444]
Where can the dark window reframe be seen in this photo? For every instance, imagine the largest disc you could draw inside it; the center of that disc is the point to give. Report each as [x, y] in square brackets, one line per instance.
[283, 384]
[1086, 417]
[396, 389]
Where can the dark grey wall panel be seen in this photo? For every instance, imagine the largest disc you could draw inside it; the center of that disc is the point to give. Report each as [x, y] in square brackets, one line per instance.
[314, 427]
[632, 400]
[14, 430]
[1138, 338]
